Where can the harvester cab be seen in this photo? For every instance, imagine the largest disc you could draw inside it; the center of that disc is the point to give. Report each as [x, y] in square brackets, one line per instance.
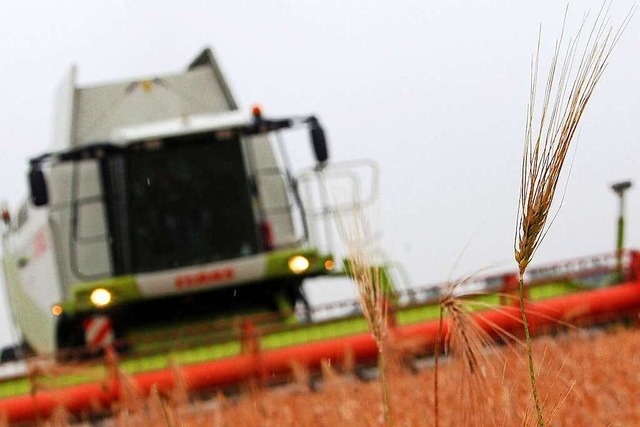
[162, 203]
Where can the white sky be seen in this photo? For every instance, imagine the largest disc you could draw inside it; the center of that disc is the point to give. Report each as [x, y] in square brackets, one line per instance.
[434, 91]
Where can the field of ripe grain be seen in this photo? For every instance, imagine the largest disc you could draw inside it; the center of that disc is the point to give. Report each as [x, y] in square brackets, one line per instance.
[586, 378]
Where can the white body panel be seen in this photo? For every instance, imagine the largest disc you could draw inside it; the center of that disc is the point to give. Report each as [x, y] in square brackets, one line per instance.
[192, 279]
[83, 255]
[180, 126]
[101, 109]
[274, 195]
[31, 276]
[63, 111]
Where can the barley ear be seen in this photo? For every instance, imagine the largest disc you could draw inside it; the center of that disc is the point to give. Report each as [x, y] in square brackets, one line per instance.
[572, 77]
[364, 266]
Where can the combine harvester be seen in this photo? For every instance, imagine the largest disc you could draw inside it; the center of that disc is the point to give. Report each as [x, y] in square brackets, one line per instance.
[166, 236]
[161, 203]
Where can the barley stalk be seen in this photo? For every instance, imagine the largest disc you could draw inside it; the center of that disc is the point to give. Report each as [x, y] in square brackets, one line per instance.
[571, 80]
[436, 355]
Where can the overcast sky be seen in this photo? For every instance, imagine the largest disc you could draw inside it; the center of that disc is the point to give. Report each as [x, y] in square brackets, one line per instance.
[434, 91]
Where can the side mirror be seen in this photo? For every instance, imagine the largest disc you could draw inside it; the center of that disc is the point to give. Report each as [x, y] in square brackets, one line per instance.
[318, 140]
[38, 186]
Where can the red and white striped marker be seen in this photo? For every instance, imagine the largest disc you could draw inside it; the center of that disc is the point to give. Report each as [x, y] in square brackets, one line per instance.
[98, 332]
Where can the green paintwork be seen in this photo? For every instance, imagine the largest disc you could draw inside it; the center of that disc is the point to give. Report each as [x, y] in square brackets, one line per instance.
[130, 366]
[314, 332]
[122, 288]
[125, 289]
[483, 302]
[541, 292]
[418, 313]
[277, 262]
[15, 387]
[422, 312]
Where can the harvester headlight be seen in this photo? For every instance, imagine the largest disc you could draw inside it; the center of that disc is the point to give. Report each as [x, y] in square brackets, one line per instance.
[298, 264]
[329, 264]
[100, 297]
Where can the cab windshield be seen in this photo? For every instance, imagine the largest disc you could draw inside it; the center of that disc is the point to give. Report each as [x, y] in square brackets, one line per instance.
[189, 202]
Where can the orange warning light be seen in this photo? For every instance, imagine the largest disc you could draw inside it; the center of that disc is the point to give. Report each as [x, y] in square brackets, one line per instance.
[147, 86]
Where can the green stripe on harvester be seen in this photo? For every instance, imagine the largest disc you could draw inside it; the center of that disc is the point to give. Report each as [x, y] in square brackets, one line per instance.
[125, 288]
[551, 290]
[418, 313]
[278, 262]
[16, 387]
[314, 332]
[122, 289]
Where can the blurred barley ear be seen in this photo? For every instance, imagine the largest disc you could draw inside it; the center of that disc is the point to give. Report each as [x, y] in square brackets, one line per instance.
[466, 341]
[364, 264]
[572, 77]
